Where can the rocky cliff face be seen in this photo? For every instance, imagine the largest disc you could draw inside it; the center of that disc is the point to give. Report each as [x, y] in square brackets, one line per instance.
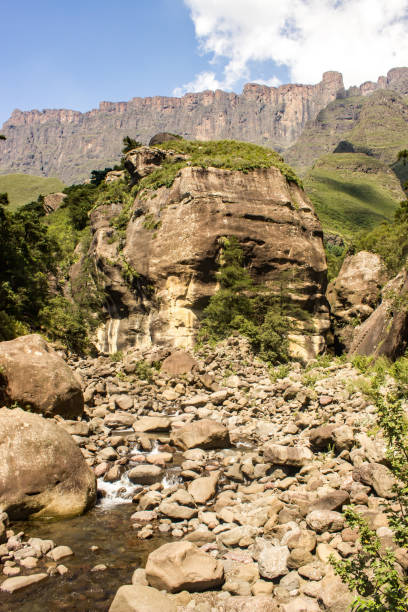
[162, 275]
[70, 144]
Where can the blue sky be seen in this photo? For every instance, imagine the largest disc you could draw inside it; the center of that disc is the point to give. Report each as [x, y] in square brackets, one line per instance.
[73, 54]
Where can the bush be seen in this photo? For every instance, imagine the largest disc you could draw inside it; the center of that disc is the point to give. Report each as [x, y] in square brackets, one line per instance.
[64, 321]
[373, 571]
[241, 307]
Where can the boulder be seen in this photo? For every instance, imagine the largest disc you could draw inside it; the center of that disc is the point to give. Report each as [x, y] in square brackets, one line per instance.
[178, 363]
[163, 137]
[356, 291]
[377, 476]
[52, 202]
[145, 474]
[152, 424]
[325, 520]
[205, 433]
[322, 437]
[272, 560]
[141, 598]
[296, 456]
[202, 489]
[182, 566]
[36, 378]
[42, 470]
[20, 582]
[385, 332]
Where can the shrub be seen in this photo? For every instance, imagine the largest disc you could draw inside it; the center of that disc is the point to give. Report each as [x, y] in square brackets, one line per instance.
[241, 307]
[373, 571]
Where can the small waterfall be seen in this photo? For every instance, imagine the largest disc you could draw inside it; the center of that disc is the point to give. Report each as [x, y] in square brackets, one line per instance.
[112, 335]
[119, 492]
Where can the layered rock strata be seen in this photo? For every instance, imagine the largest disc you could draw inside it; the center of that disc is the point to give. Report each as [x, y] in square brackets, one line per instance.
[161, 276]
[70, 144]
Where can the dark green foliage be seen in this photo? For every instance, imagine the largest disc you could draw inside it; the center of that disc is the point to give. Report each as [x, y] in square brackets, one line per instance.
[372, 571]
[129, 144]
[4, 201]
[2, 137]
[79, 201]
[98, 176]
[403, 156]
[65, 321]
[27, 255]
[239, 306]
[335, 255]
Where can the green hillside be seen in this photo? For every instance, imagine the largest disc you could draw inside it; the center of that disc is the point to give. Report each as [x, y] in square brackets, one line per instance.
[377, 124]
[352, 192]
[24, 188]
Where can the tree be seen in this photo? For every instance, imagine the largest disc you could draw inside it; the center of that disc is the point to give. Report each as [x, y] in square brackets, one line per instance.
[403, 156]
[2, 137]
[129, 144]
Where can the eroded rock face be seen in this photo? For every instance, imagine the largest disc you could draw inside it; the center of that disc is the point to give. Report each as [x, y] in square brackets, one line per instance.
[356, 291]
[70, 144]
[172, 246]
[385, 332]
[35, 377]
[42, 470]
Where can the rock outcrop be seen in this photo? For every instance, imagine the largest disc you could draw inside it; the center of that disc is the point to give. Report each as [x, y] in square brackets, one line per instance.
[356, 292]
[385, 332]
[35, 377]
[70, 144]
[172, 244]
[42, 471]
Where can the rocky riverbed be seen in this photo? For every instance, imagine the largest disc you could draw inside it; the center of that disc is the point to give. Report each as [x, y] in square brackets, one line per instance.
[220, 487]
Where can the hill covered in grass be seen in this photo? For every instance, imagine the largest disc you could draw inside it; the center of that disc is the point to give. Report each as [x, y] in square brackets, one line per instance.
[376, 124]
[24, 188]
[352, 192]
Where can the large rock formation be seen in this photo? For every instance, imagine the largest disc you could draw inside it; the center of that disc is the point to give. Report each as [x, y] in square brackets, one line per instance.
[385, 332]
[35, 377]
[161, 276]
[42, 470]
[356, 292]
[70, 144]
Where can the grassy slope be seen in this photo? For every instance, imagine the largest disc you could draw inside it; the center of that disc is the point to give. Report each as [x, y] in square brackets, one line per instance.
[24, 188]
[378, 122]
[352, 192]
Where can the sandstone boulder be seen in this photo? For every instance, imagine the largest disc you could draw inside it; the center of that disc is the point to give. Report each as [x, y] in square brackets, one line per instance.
[145, 474]
[356, 291]
[296, 456]
[152, 424]
[182, 566]
[179, 362]
[377, 476]
[205, 433]
[141, 598]
[35, 377]
[325, 520]
[385, 332]
[42, 471]
[52, 202]
[272, 560]
[202, 489]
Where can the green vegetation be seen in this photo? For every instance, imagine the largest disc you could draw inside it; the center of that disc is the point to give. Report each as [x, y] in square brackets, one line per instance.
[335, 256]
[352, 192]
[2, 137]
[228, 154]
[241, 307]
[373, 571]
[389, 240]
[129, 144]
[24, 188]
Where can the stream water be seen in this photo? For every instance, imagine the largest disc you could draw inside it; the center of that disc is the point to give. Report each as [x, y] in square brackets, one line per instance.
[81, 590]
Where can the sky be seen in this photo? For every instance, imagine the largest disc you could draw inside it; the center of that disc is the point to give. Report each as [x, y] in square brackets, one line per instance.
[76, 53]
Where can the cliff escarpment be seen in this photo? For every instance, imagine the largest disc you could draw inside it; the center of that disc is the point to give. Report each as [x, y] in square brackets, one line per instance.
[159, 270]
[69, 144]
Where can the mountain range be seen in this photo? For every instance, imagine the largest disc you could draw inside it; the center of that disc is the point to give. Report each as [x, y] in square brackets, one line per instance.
[301, 121]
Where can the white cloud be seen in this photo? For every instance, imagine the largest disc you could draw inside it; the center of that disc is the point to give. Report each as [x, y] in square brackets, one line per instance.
[360, 38]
